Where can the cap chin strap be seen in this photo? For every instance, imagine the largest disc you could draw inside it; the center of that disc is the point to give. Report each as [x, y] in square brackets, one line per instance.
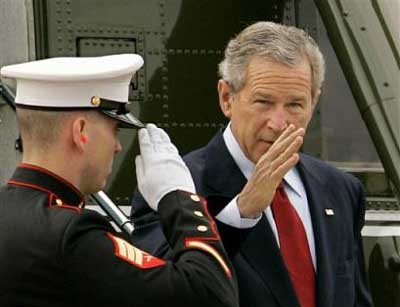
[110, 105]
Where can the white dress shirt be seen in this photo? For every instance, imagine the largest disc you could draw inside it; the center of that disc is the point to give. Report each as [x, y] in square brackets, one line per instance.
[294, 189]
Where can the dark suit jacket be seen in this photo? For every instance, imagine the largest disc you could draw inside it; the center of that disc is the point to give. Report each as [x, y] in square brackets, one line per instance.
[262, 276]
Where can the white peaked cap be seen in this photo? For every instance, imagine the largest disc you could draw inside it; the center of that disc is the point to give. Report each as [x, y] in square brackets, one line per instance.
[74, 82]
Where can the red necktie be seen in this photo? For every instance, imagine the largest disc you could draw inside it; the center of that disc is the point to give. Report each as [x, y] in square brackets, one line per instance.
[294, 248]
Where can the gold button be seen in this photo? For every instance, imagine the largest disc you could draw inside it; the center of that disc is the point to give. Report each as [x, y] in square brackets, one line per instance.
[202, 228]
[198, 213]
[59, 202]
[95, 101]
[194, 197]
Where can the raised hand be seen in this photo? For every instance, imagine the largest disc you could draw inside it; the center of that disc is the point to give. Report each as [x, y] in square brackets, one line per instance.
[159, 168]
[259, 191]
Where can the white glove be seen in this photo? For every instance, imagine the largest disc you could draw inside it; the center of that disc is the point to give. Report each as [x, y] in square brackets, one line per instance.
[159, 168]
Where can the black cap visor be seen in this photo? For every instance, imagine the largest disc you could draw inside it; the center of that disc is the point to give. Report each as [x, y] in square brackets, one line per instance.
[119, 111]
[127, 120]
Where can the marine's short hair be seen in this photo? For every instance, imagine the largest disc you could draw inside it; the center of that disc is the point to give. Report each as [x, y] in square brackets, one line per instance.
[42, 127]
[284, 44]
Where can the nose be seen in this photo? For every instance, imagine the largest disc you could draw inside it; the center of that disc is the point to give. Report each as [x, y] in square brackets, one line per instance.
[278, 119]
[118, 146]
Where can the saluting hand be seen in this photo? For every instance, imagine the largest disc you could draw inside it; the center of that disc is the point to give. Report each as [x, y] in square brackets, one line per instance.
[259, 191]
[159, 168]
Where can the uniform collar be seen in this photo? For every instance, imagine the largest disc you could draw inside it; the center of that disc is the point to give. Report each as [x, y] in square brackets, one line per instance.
[38, 178]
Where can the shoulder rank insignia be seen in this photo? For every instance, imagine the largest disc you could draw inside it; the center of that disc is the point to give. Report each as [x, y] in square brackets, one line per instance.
[127, 252]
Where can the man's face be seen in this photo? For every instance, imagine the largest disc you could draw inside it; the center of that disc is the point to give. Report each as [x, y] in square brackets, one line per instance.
[274, 96]
[103, 144]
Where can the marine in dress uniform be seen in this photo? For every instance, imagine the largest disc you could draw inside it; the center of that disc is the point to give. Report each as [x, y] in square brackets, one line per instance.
[54, 252]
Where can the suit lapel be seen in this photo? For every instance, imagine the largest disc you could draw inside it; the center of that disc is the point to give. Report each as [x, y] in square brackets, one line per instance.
[261, 251]
[324, 226]
[221, 174]
[224, 178]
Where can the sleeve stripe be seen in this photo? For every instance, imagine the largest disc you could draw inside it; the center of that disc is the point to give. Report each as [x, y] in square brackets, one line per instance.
[209, 249]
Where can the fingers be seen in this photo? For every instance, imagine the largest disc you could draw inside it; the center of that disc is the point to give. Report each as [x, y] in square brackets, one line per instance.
[139, 167]
[284, 141]
[289, 130]
[157, 135]
[283, 168]
[146, 146]
[154, 140]
[292, 149]
[160, 140]
[280, 157]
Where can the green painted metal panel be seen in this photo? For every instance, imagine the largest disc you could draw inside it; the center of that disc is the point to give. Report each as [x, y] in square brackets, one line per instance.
[370, 63]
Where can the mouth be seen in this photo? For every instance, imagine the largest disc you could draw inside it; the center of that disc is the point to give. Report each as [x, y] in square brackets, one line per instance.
[269, 143]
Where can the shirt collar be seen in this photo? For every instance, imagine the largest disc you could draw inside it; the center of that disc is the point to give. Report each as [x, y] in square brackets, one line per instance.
[291, 178]
[35, 177]
[244, 164]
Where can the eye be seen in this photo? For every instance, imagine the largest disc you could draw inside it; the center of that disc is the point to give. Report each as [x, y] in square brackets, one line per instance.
[295, 104]
[263, 101]
[117, 129]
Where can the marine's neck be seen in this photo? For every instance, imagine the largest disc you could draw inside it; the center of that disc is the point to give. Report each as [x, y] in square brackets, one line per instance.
[60, 162]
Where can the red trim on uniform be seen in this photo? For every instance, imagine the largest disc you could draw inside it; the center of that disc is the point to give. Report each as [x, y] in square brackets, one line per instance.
[211, 219]
[50, 194]
[116, 245]
[77, 209]
[38, 168]
[199, 245]
[51, 197]
[66, 206]
[28, 185]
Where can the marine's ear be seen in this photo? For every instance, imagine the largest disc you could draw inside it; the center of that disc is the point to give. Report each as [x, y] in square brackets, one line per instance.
[225, 97]
[79, 135]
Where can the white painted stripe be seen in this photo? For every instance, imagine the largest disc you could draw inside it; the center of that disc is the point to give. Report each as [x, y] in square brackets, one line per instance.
[382, 215]
[381, 231]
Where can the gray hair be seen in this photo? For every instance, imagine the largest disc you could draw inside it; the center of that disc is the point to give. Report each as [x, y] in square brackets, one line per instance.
[284, 44]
